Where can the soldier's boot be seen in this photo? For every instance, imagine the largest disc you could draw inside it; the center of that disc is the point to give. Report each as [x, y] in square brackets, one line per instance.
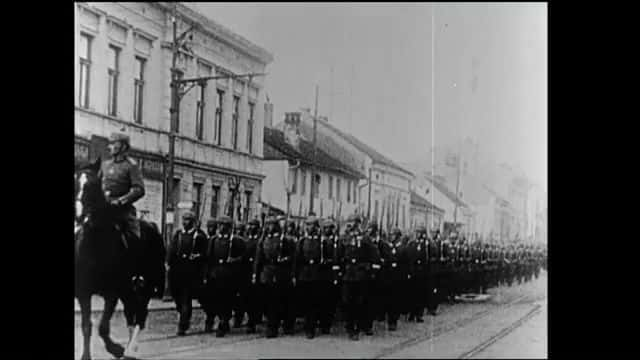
[208, 325]
[393, 325]
[310, 333]
[251, 328]
[271, 333]
[325, 330]
[223, 328]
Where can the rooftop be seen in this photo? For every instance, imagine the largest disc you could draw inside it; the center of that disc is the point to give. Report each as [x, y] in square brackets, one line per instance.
[221, 32]
[419, 200]
[371, 152]
[448, 193]
[283, 150]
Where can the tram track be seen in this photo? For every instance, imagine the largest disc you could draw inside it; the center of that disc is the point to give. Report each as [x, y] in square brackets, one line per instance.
[502, 333]
[457, 325]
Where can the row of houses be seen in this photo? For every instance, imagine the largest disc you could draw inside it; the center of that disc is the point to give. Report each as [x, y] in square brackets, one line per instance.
[230, 156]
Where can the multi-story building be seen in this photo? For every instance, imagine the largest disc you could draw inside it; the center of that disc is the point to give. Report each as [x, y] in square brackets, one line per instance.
[123, 59]
[385, 184]
[289, 163]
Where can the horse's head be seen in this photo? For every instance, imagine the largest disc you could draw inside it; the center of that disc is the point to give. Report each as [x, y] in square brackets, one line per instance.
[88, 193]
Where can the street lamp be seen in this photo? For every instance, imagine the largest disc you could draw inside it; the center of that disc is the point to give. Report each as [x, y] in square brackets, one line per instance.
[179, 88]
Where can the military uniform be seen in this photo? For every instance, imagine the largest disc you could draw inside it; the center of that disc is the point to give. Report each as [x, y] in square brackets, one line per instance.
[331, 270]
[122, 182]
[434, 273]
[359, 258]
[249, 292]
[185, 270]
[223, 262]
[393, 278]
[418, 259]
[275, 258]
[314, 259]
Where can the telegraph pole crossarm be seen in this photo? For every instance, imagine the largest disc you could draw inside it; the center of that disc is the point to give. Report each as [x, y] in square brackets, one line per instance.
[219, 77]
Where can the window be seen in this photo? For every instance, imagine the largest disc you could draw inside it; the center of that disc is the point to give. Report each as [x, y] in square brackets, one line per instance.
[234, 122]
[303, 182]
[316, 185]
[250, 128]
[175, 191]
[330, 187]
[197, 196]
[215, 194]
[247, 205]
[84, 52]
[402, 220]
[217, 126]
[112, 62]
[138, 84]
[200, 112]
[338, 189]
[348, 191]
[293, 180]
[354, 193]
[375, 213]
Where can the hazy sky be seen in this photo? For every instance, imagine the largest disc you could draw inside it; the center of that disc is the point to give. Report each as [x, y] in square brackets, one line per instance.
[373, 65]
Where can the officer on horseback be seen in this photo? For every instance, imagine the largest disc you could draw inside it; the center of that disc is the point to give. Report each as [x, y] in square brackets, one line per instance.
[122, 185]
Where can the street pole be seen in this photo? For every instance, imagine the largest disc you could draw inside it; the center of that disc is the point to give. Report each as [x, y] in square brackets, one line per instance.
[168, 204]
[369, 198]
[313, 165]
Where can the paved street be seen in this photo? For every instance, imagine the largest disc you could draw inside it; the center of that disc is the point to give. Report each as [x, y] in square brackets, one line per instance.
[528, 341]
[457, 329]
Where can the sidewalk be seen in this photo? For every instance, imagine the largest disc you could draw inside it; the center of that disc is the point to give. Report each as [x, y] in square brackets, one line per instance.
[97, 305]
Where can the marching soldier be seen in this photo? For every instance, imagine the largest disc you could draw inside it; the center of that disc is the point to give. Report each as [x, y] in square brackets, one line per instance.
[274, 270]
[360, 258]
[249, 292]
[310, 256]
[417, 276]
[206, 294]
[435, 266]
[465, 265]
[375, 291]
[239, 231]
[450, 256]
[393, 278]
[223, 261]
[330, 270]
[185, 268]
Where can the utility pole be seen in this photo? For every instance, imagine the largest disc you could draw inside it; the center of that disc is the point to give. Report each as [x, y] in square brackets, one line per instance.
[174, 112]
[177, 92]
[315, 153]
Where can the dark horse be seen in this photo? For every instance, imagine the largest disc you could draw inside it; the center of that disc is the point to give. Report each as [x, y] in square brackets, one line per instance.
[109, 266]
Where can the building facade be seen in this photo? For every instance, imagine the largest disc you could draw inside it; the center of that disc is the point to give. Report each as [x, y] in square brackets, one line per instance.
[384, 191]
[289, 163]
[423, 213]
[123, 59]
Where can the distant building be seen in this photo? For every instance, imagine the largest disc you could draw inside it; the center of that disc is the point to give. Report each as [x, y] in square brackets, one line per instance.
[457, 214]
[384, 192]
[423, 213]
[122, 61]
[288, 161]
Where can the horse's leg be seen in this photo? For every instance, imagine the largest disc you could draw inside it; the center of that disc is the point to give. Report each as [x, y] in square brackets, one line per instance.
[85, 310]
[103, 330]
[141, 318]
[129, 314]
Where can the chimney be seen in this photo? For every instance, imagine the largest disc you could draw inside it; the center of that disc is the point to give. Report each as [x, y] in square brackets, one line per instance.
[292, 128]
[268, 115]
